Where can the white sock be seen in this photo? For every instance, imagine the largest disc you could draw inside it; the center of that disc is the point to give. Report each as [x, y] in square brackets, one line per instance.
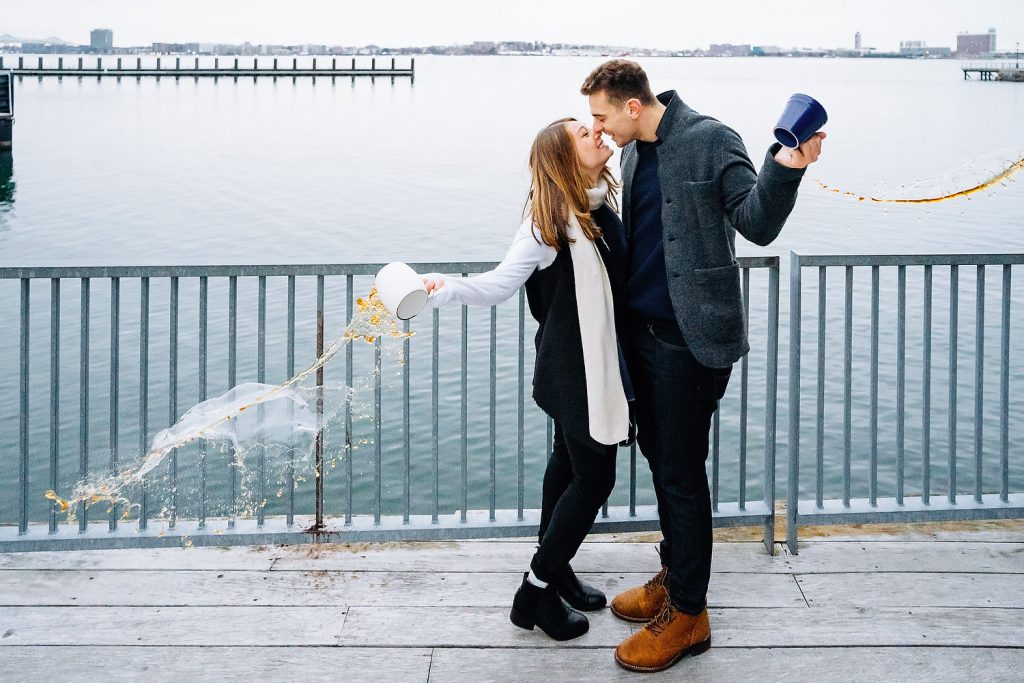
[532, 579]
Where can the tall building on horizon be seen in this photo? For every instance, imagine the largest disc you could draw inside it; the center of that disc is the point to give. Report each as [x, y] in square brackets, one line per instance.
[856, 41]
[101, 39]
[975, 44]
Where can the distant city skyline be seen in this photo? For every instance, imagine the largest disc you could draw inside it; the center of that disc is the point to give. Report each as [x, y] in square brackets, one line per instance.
[786, 23]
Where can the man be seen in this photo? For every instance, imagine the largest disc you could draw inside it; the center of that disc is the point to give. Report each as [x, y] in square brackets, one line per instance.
[688, 188]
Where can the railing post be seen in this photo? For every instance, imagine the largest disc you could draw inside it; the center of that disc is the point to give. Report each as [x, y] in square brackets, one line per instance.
[771, 407]
[793, 493]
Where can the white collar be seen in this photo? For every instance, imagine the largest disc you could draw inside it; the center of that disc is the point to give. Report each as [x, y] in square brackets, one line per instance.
[596, 195]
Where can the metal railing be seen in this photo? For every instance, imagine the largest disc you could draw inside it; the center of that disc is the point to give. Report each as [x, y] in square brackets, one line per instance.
[433, 495]
[988, 493]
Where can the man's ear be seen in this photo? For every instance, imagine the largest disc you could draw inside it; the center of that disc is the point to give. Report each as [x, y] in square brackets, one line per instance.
[634, 105]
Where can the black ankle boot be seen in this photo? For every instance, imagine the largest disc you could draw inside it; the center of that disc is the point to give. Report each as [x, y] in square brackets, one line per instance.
[576, 593]
[535, 606]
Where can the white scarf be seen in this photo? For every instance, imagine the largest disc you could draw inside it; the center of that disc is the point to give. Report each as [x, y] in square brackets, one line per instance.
[606, 399]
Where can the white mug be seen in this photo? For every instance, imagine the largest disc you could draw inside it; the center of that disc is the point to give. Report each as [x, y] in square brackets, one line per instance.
[401, 290]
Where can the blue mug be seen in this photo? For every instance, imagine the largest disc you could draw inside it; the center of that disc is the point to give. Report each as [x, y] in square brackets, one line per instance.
[802, 118]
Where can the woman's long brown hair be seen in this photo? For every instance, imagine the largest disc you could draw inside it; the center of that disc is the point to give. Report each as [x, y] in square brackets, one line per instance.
[558, 186]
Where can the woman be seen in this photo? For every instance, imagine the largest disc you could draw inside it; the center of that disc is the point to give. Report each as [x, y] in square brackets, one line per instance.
[561, 252]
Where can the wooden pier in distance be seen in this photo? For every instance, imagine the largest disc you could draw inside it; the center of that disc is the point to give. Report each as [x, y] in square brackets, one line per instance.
[995, 72]
[234, 67]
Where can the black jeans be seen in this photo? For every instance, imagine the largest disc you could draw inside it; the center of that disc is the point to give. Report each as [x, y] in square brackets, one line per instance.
[676, 397]
[578, 480]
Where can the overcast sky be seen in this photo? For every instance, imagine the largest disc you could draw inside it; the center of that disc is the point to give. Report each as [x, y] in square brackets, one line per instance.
[671, 25]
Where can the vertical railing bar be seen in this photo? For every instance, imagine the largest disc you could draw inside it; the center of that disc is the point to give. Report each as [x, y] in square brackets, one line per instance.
[349, 312]
[377, 431]
[819, 487]
[1004, 391]
[744, 389]
[873, 393]
[54, 398]
[954, 313]
[290, 372]
[901, 381]
[83, 399]
[261, 376]
[926, 389]
[172, 398]
[434, 410]
[521, 410]
[848, 386]
[232, 378]
[979, 382]
[793, 494]
[143, 393]
[204, 287]
[115, 356]
[771, 407]
[493, 417]
[406, 426]
[23, 421]
[464, 418]
[319, 442]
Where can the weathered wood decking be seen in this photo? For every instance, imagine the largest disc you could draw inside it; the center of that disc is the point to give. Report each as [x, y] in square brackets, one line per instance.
[946, 606]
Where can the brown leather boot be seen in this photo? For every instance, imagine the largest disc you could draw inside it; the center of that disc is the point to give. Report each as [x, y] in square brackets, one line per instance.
[665, 640]
[643, 603]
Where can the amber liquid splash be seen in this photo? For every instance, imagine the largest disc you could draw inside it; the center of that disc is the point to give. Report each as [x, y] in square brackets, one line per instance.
[990, 180]
[371, 321]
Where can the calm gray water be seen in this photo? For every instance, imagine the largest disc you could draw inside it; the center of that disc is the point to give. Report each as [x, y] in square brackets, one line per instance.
[192, 172]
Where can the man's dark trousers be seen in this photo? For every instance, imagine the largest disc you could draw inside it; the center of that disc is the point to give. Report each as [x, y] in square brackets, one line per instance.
[676, 397]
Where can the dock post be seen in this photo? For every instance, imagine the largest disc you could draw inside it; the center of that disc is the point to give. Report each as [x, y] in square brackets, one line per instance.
[255, 63]
[353, 63]
[275, 63]
[138, 64]
[314, 63]
[373, 64]
[216, 63]
[392, 63]
[177, 63]
[334, 63]
[118, 63]
[60, 63]
[197, 63]
[7, 117]
[99, 63]
[157, 63]
[1, 62]
[236, 63]
[21, 62]
[295, 63]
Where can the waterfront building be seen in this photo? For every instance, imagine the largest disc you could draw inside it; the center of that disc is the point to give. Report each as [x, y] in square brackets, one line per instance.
[728, 50]
[101, 40]
[976, 44]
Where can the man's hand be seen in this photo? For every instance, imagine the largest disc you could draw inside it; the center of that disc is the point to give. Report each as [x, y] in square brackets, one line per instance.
[804, 155]
[433, 283]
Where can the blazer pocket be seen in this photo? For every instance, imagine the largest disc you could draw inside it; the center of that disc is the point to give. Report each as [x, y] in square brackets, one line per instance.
[721, 303]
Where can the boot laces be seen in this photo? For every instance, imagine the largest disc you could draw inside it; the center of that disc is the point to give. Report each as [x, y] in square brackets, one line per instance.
[657, 581]
[662, 619]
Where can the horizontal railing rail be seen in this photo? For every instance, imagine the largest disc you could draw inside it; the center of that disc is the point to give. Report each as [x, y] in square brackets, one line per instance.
[384, 472]
[982, 490]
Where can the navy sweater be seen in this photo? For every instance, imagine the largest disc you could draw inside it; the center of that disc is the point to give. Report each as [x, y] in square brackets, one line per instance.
[647, 282]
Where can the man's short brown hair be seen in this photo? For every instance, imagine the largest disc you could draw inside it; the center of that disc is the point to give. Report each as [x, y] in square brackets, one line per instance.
[620, 80]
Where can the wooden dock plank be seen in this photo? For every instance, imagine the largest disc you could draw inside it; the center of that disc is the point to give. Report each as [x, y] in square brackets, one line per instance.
[465, 627]
[914, 590]
[218, 663]
[498, 556]
[266, 626]
[156, 588]
[735, 664]
[896, 556]
[226, 558]
[772, 627]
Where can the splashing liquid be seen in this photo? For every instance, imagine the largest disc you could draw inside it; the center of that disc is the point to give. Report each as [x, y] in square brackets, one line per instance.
[289, 414]
[979, 175]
